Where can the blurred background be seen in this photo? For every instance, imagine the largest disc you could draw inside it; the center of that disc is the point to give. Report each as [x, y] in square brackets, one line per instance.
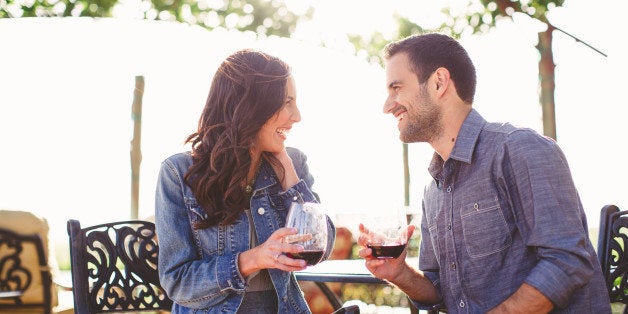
[68, 69]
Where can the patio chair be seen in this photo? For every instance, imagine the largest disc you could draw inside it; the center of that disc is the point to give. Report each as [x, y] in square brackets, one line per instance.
[114, 268]
[613, 252]
[26, 272]
[19, 276]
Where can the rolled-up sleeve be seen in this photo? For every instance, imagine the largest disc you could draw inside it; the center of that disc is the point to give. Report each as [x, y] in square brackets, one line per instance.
[541, 185]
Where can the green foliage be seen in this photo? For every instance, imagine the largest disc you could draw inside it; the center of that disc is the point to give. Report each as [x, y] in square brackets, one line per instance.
[375, 294]
[264, 17]
[372, 46]
[479, 16]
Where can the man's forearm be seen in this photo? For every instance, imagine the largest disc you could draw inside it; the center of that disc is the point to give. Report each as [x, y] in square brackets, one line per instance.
[526, 299]
[413, 283]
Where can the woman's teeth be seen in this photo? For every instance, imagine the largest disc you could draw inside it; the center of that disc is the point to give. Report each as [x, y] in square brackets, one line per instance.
[283, 132]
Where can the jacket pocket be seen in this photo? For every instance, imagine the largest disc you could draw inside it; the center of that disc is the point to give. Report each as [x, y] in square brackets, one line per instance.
[484, 228]
[210, 240]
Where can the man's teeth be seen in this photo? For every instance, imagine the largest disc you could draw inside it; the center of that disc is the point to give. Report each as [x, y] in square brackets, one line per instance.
[401, 116]
[283, 132]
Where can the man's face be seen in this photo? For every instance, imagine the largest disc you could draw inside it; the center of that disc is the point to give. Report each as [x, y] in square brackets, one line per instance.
[409, 101]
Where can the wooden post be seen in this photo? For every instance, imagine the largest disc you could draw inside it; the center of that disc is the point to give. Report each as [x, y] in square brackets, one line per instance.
[136, 152]
[547, 82]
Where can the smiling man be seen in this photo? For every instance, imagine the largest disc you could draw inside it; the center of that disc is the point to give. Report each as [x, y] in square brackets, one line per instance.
[503, 228]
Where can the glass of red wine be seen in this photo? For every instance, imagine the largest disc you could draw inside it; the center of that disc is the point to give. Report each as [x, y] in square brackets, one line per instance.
[387, 233]
[310, 221]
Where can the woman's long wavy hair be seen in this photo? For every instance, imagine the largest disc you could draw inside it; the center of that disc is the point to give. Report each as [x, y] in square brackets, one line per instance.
[247, 90]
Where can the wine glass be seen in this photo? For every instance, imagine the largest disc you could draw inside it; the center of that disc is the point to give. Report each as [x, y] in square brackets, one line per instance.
[387, 233]
[310, 221]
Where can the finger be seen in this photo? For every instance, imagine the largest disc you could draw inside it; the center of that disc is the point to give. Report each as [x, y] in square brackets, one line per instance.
[282, 232]
[290, 268]
[365, 253]
[291, 262]
[363, 239]
[298, 238]
[374, 263]
[411, 229]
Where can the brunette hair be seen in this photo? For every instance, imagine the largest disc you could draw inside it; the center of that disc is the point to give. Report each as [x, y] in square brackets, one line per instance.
[428, 52]
[248, 89]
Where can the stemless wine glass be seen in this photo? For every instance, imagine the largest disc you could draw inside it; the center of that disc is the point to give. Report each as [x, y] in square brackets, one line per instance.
[387, 233]
[310, 221]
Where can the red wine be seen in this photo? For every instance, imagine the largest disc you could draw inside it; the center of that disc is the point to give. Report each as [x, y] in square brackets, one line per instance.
[311, 257]
[386, 251]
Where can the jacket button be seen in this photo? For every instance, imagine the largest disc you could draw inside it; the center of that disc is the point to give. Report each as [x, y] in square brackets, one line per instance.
[261, 210]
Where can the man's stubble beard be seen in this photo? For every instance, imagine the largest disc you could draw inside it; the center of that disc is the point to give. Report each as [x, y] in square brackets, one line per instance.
[423, 122]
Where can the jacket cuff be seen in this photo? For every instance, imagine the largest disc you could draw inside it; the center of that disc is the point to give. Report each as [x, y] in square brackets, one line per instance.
[228, 273]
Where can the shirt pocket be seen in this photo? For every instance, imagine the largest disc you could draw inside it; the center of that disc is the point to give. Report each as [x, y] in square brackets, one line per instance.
[210, 240]
[484, 228]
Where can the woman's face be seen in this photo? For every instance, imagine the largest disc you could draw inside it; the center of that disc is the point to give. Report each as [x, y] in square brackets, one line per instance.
[272, 135]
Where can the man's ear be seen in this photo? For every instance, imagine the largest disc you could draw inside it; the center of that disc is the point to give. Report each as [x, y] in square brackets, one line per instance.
[442, 80]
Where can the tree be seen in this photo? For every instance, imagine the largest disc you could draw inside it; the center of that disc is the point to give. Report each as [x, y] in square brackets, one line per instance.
[264, 17]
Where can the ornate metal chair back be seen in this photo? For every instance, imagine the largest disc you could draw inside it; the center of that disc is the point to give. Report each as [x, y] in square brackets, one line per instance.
[613, 251]
[114, 267]
[16, 276]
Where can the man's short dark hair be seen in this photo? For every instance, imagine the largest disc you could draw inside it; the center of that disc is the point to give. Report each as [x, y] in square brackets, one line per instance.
[428, 52]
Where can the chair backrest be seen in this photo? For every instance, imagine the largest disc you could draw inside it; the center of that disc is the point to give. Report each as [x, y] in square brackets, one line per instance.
[613, 251]
[114, 267]
[19, 276]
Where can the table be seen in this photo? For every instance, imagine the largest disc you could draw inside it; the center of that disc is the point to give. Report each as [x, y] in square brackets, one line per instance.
[345, 271]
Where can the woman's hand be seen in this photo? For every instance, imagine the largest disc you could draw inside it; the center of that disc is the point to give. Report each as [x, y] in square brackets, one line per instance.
[387, 269]
[270, 254]
[290, 177]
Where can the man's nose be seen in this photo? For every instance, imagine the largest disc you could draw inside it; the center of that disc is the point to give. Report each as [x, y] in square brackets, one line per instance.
[389, 104]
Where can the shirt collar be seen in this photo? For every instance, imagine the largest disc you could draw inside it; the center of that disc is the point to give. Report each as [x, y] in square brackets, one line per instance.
[468, 137]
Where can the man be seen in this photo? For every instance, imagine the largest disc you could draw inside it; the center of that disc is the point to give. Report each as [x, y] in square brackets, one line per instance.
[503, 228]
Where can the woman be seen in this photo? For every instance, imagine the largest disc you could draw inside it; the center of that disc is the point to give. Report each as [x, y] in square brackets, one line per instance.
[216, 255]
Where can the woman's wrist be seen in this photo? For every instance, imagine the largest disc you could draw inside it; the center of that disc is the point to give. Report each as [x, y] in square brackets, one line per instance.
[246, 263]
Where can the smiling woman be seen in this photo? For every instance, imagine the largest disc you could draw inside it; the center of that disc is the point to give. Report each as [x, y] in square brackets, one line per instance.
[65, 114]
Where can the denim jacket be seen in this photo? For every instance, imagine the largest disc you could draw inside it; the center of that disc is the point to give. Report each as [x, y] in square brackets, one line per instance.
[198, 268]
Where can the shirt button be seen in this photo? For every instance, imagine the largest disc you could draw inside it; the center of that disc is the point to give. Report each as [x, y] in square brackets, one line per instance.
[461, 303]
[261, 210]
[449, 227]
[476, 206]
[449, 189]
[452, 266]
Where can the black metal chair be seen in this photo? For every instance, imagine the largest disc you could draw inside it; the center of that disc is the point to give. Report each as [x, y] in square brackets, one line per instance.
[114, 268]
[16, 276]
[613, 252]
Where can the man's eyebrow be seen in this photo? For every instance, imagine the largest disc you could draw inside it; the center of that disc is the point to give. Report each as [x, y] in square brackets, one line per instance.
[393, 83]
[289, 98]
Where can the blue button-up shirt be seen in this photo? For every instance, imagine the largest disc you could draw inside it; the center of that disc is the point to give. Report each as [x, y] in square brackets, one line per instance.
[501, 211]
